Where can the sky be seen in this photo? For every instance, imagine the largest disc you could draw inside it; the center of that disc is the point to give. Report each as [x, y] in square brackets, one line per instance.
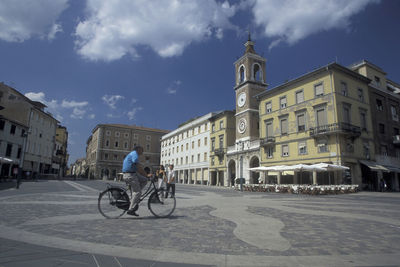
[160, 63]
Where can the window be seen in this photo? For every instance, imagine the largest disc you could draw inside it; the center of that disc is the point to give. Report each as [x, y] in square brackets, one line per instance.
[212, 161]
[221, 141]
[192, 144]
[377, 81]
[182, 148]
[198, 142]
[8, 150]
[384, 150]
[381, 128]
[299, 96]
[205, 141]
[205, 156]
[302, 148]
[187, 146]
[198, 157]
[346, 113]
[117, 134]
[363, 120]
[105, 156]
[221, 125]
[379, 105]
[319, 89]
[107, 143]
[241, 74]
[212, 144]
[349, 145]
[301, 123]
[269, 151]
[148, 137]
[321, 117]
[366, 149]
[135, 136]
[283, 102]
[322, 146]
[115, 157]
[360, 94]
[285, 150]
[395, 116]
[147, 147]
[343, 89]
[126, 135]
[19, 152]
[116, 144]
[213, 128]
[192, 158]
[13, 128]
[284, 126]
[269, 129]
[2, 123]
[126, 145]
[268, 107]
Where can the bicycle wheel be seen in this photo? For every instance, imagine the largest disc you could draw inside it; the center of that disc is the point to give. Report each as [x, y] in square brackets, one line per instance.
[113, 203]
[160, 206]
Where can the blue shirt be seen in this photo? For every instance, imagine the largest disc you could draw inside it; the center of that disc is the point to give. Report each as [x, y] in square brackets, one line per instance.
[129, 162]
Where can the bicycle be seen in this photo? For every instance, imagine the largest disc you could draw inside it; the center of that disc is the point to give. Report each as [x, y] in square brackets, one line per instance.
[114, 201]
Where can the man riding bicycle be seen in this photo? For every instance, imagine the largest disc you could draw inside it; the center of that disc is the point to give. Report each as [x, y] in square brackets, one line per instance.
[135, 176]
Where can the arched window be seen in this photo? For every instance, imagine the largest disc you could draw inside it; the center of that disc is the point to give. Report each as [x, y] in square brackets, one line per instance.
[257, 74]
[241, 74]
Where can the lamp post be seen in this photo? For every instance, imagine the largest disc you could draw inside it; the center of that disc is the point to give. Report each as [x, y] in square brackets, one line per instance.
[21, 162]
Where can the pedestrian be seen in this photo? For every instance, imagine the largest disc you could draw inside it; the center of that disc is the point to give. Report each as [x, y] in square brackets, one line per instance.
[162, 176]
[135, 176]
[382, 185]
[171, 181]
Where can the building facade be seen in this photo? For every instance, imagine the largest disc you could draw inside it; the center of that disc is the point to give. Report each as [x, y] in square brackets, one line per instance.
[222, 136]
[40, 138]
[323, 116]
[384, 97]
[188, 149]
[110, 143]
[60, 154]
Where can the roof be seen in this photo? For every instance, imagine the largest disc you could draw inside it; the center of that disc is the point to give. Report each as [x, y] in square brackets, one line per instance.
[365, 62]
[133, 127]
[323, 69]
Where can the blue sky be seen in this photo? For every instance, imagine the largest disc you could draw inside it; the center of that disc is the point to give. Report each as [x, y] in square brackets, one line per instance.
[159, 63]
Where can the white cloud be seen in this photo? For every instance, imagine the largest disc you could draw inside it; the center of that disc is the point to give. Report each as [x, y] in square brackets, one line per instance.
[173, 88]
[22, 19]
[293, 20]
[116, 28]
[79, 109]
[111, 100]
[132, 114]
[91, 116]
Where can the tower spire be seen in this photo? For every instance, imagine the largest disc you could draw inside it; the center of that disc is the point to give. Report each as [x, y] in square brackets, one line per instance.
[249, 44]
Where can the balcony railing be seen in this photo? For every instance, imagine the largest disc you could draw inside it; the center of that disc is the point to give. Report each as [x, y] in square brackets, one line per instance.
[269, 140]
[219, 151]
[396, 139]
[342, 127]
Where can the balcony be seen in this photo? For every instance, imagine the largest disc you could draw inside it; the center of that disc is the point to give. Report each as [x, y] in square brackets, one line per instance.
[396, 140]
[334, 128]
[267, 141]
[219, 151]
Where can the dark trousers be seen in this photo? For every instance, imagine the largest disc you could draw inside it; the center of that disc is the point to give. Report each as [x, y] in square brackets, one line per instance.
[172, 186]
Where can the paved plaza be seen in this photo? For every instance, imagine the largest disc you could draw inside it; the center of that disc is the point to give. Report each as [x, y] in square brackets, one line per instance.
[56, 223]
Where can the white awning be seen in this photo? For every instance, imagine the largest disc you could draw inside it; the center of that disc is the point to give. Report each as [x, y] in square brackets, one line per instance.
[373, 166]
[5, 160]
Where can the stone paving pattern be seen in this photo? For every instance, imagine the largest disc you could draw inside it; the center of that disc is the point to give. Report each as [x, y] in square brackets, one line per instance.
[234, 227]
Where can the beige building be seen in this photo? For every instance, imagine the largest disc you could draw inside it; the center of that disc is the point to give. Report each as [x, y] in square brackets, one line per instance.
[38, 153]
[110, 143]
[60, 154]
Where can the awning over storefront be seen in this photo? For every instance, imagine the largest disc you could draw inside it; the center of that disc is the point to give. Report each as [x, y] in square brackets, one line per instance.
[392, 168]
[5, 160]
[373, 166]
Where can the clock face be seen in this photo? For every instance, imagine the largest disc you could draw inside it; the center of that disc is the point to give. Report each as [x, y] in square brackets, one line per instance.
[241, 99]
[242, 125]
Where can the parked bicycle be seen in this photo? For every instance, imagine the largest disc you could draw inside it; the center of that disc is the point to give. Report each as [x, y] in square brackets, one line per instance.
[114, 201]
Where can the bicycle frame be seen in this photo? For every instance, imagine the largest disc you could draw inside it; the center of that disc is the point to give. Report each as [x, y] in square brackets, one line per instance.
[149, 190]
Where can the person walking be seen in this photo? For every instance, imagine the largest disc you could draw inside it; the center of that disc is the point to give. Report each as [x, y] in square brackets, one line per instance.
[162, 176]
[171, 181]
[135, 176]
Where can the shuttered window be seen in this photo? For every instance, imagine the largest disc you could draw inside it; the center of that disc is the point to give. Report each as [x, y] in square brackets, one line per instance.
[299, 97]
[319, 89]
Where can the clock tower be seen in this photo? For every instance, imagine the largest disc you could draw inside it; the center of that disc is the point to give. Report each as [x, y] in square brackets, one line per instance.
[250, 81]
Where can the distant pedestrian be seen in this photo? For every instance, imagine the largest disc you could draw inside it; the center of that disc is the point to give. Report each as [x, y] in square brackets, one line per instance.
[162, 176]
[383, 185]
[171, 181]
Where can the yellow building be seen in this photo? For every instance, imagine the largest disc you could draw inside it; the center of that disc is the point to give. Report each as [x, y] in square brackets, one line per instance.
[322, 116]
[222, 135]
